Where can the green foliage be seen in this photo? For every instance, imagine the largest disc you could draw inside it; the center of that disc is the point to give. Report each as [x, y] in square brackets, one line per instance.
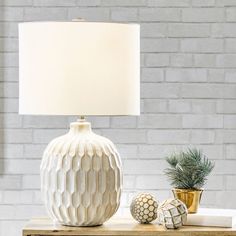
[188, 169]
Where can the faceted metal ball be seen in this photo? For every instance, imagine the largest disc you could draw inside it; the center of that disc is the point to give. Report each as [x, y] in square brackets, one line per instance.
[172, 213]
[144, 208]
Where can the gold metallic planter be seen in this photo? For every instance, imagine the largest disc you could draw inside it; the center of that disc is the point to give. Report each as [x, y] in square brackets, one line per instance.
[191, 198]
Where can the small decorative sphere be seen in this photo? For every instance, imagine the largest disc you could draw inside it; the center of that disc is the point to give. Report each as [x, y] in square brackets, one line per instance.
[144, 208]
[172, 213]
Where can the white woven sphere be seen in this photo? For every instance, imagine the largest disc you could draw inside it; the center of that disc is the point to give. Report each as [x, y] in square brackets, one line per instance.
[144, 208]
[172, 213]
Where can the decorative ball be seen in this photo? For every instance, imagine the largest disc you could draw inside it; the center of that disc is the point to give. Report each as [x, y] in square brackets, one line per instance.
[144, 208]
[172, 213]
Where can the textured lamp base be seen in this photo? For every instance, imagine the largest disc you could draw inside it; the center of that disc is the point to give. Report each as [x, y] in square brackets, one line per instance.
[81, 177]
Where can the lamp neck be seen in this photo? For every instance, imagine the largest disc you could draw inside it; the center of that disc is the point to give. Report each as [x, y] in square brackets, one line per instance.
[80, 126]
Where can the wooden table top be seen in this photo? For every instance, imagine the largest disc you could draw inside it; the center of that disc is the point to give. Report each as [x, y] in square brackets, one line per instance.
[120, 226]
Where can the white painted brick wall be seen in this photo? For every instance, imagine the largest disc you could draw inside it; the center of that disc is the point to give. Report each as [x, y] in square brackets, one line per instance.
[188, 98]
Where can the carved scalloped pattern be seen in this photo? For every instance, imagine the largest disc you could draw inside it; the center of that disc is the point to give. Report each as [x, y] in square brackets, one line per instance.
[81, 179]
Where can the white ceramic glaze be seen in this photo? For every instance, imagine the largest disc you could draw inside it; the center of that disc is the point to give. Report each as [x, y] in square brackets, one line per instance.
[81, 177]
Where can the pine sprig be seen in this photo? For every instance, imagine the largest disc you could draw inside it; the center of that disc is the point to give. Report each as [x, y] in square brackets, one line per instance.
[189, 169]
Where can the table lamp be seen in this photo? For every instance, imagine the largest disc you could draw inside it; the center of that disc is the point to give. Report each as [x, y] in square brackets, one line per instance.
[79, 68]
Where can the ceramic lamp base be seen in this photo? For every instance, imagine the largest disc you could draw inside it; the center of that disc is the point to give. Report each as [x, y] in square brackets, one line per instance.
[81, 177]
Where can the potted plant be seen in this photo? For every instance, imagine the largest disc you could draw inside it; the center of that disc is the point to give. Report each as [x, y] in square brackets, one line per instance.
[188, 171]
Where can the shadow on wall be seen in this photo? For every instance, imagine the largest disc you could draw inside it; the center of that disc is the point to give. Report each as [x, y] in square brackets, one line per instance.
[2, 97]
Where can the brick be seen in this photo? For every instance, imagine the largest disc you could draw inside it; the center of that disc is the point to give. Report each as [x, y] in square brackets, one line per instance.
[202, 45]
[202, 121]
[161, 15]
[144, 167]
[188, 30]
[129, 181]
[128, 3]
[17, 197]
[203, 15]
[89, 14]
[54, 3]
[9, 74]
[90, 3]
[158, 30]
[225, 3]
[44, 136]
[128, 151]
[8, 29]
[231, 151]
[168, 136]
[231, 14]
[21, 166]
[8, 45]
[157, 59]
[154, 90]
[204, 60]
[125, 136]
[31, 181]
[9, 59]
[157, 151]
[152, 182]
[9, 105]
[203, 3]
[44, 13]
[213, 152]
[16, 135]
[10, 182]
[11, 14]
[45, 121]
[22, 212]
[11, 151]
[225, 167]
[202, 136]
[215, 182]
[152, 75]
[208, 91]
[34, 151]
[230, 121]
[224, 30]
[169, 3]
[154, 105]
[203, 106]
[181, 60]
[18, 3]
[159, 45]
[7, 229]
[230, 182]
[186, 75]
[124, 14]
[123, 122]
[230, 76]
[226, 106]
[10, 121]
[9, 90]
[216, 75]
[160, 121]
[179, 106]
[37, 197]
[226, 60]
[226, 136]
[230, 45]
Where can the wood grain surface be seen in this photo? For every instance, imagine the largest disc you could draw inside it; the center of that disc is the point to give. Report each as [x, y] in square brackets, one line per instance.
[120, 226]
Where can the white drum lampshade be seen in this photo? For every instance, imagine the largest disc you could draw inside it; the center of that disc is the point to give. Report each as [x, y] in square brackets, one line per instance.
[80, 68]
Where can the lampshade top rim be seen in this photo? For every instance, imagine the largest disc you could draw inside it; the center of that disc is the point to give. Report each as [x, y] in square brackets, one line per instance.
[79, 22]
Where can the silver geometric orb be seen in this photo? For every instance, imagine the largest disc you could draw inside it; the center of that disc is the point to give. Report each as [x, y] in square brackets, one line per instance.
[172, 213]
[144, 208]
